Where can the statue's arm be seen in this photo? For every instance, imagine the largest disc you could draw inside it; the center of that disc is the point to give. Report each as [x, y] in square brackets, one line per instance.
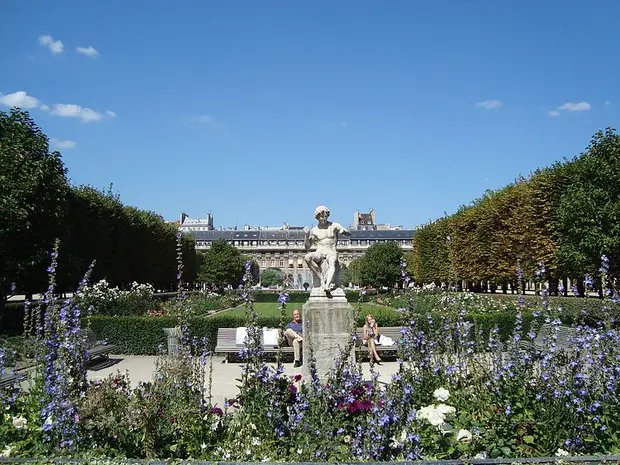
[309, 238]
[342, 230]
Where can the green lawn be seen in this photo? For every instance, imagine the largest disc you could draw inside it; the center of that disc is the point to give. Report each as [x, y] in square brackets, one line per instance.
[271, 309]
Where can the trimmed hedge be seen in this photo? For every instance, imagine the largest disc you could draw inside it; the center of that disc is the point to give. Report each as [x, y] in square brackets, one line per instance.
[138, 335]
[12, 319]
[297, 297]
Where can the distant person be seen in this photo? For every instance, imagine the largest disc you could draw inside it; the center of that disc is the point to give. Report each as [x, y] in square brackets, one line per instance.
[370, 337]
[293, 332]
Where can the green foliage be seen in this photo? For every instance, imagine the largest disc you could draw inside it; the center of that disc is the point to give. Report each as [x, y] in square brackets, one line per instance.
[296, 296]
[222, 265]
[588, 215]
[345, 276]
[380, 265]
[12, 318]
[271, 277]
[128, 244]
[565, 216]
[354, 271]
[430, 260]
[33, 187]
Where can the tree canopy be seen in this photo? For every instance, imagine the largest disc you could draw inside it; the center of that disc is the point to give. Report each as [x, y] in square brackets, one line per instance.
[380, 265]
[222, 265]
[33, 188]
[271, 277]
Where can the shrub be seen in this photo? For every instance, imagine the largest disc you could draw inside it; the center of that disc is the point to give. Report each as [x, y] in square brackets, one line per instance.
[101, 299]
[12, 319]
[139, 335]
[297, 297]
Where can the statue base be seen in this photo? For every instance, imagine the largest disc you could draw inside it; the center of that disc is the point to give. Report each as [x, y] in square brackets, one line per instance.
[327, 320]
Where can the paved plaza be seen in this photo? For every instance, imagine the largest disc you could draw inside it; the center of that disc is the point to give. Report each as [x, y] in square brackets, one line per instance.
[225, 375]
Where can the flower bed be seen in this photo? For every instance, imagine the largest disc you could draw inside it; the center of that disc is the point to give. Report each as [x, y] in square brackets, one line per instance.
[460, 393]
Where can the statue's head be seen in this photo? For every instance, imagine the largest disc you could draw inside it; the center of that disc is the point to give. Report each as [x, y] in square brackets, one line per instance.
[320, 211]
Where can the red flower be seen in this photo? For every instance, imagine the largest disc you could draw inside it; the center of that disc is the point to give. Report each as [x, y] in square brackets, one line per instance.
[297, 378]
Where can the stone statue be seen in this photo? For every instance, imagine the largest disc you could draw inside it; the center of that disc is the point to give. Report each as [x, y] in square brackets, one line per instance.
[323, 262]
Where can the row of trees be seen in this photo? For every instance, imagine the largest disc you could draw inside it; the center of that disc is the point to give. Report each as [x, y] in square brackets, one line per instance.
[38, 205]
[565, 217]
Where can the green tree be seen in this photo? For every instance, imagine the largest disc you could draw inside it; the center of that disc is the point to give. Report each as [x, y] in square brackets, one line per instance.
[271, 277]
[354, 271]
[345, 276]
[588, 216]
[222, 265]
[380, 265]
[33, 186]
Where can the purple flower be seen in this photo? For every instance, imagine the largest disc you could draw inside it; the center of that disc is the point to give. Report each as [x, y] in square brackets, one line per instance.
[283, 298]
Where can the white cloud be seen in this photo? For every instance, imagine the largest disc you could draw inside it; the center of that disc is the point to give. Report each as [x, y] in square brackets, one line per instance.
[88, 51]
[75, 111]
[63, 144]
[575, 106]
[19, 99]
[203, 119]
[55, 46]
[111, 114]
[607, 103]
[570, 106]
[44, 107]
[489, 104]
[344, 124]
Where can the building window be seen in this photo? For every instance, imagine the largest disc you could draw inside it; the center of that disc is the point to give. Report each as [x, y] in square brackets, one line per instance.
[281, 263]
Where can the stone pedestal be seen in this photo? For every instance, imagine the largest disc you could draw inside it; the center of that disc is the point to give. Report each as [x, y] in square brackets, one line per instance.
[327, 322]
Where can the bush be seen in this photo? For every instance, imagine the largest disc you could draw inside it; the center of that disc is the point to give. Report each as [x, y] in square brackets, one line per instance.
[297, 297]
[12, 319]
[102, 299]
[138, 335]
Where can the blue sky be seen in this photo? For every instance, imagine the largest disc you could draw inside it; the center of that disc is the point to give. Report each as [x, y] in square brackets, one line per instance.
[260, 111]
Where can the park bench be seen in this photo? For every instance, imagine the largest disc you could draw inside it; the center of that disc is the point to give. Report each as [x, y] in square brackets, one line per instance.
[226, 342]
[94, 348]
[564, 343]
[8, 379]
[393, 332]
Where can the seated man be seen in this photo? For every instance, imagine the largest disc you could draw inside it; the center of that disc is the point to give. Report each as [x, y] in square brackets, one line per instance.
[293, 332]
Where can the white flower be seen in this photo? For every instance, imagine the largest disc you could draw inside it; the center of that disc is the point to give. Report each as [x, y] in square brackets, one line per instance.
[464, 435]
[445, 409]
[19, 422]
[248, 452]
[347, 439]
[203, 446]
[436, 418]
[299, 451]
[561, 453]
[480, 456]
[432, 415]
[395, 444]
[441, 394]
[7, 451]
[255, 442]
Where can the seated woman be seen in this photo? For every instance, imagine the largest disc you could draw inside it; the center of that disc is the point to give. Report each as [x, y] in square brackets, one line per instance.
[370, 337]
